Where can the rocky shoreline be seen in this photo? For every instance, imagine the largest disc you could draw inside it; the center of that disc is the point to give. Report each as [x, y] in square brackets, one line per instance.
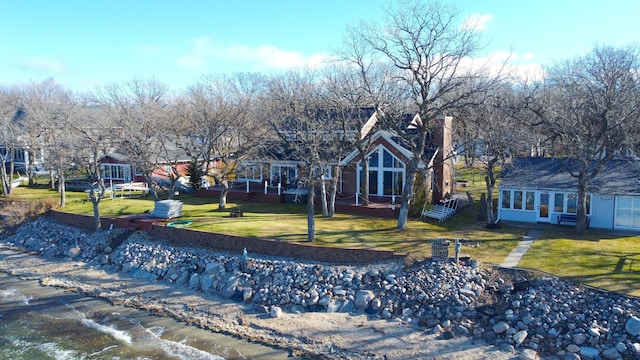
[530, 317]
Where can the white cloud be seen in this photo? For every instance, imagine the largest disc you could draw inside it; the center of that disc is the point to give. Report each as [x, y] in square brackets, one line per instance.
[42, 65]
[506, 63]
[205, 52]
[150, 49]
[477, 22]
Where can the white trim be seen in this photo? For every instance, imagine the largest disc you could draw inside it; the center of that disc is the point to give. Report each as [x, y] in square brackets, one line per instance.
[379, 134]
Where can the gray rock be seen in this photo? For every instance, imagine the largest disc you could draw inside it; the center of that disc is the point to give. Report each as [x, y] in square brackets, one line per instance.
[579, 338]
[500, 327]
[347, 306]
[275, 312]
[206, 282]
[589, 352]
[528, 354]
[611, 354]
[461, 330]
[573, 348]
[363, 298]
[247, 294]
[74, 252]
[194, 281]
[520, 336]
[633, 326]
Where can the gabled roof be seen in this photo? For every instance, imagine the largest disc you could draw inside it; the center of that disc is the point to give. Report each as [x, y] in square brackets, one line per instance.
[618, 177]
[380, 134]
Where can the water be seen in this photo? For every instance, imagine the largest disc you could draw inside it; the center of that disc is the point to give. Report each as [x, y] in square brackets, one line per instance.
[39, 322]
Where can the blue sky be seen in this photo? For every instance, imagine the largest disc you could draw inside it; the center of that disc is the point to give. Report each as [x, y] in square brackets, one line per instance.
[83, 44]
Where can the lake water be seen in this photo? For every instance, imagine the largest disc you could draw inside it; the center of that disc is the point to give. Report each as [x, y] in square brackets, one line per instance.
[39, 322]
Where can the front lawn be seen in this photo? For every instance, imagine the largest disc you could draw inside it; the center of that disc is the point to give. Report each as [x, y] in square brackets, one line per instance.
[597, 259]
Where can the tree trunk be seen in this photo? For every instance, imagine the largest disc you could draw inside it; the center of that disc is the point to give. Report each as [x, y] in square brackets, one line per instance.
[222, 202]
[6, 183]
[581, 213]
[311, 224]
[334, 192]
[489, 203]
[365, 181]
[407, 194]
[323, 197]
[96, 215]
[95, 201]
[152, 190]
[62, 189]
[52, 180]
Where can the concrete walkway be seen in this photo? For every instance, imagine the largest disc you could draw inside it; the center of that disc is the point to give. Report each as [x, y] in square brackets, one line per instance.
[516, 254]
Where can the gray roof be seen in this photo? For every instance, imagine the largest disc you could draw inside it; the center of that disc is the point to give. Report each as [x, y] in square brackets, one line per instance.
[618, 176]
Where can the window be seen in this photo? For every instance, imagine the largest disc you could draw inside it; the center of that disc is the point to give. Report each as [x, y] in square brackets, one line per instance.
[250, 171]
[116, 172]
[530, 200]
[568, 203]
[517, 199]
[286, 175]
[627, 212]
[506, 199]
[558, 202]
[386, 173]
[572, 203]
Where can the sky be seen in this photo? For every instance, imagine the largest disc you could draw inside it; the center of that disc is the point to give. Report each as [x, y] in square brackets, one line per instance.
[86, 44]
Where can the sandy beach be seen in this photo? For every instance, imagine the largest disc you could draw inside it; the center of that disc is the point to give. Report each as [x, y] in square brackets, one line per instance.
[309, 335]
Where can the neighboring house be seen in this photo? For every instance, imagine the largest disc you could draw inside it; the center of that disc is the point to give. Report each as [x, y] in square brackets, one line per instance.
[22, 157]
[539, 190]
[117, 168]
[388, 161]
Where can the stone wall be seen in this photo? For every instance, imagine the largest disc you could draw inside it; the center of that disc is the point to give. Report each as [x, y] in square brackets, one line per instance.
[232, 243]
[82, 221]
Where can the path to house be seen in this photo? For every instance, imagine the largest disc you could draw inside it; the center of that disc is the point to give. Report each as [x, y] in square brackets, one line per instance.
[516, 254]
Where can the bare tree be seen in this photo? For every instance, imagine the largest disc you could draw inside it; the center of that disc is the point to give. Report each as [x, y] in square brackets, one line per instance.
[93, 136]
[8, 110]
[431, 51]
[589, 108]
[360, 81]
[49, 108]
[140, 109]
[499, 134]
[301, 127]
[217, 122]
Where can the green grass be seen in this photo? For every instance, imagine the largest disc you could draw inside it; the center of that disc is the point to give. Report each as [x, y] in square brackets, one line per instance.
[288, 222]
[593, 259]
[598, 260]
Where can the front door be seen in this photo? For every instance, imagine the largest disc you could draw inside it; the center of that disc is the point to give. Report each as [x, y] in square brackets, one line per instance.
[543, 207]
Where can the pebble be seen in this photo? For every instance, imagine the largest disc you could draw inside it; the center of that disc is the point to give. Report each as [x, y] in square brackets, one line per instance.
[543, 317]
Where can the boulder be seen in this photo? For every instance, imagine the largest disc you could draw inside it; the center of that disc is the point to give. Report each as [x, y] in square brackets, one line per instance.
[633, 326]
[363, 298]
[500, 327]
[520, 336]
[275, 312]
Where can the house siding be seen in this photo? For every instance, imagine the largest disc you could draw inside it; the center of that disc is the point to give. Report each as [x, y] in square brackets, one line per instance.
[602, 211]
